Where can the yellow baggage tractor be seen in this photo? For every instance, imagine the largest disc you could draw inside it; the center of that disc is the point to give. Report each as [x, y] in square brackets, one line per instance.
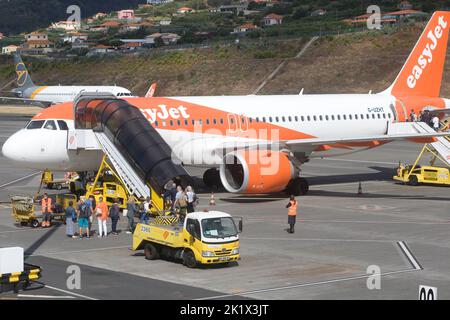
[430, 174]
[24, 209]
[423, 174]
[202, 238]
[20, 280]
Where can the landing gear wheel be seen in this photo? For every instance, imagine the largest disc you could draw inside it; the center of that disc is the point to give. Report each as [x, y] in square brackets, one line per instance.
[189, 259]
[150, 251]
[304, 186]
[34, 223]
[211, 178]
[298, 187]
[413, 181]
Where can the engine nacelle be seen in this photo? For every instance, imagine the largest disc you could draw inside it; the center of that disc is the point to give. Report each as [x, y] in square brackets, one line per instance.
[256, 171]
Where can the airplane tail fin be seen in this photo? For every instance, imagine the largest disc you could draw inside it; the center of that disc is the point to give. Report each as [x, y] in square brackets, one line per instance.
[151, 90]
[421, 75]
[23, 80]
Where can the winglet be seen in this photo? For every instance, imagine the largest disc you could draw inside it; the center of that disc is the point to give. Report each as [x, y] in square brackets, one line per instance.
[421, 75]
[151, 90]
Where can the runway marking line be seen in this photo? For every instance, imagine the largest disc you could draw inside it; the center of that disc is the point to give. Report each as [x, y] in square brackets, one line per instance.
[303, 285]
[39, 296]
[71, 293]
[19, 179]
[411, 258]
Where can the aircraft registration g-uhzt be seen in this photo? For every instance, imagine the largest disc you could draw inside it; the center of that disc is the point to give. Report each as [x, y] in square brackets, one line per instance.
[260, 142]
[28, 92]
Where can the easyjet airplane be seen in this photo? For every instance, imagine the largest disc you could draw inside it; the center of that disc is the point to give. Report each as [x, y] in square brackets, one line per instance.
[28, 92]
[285, 130]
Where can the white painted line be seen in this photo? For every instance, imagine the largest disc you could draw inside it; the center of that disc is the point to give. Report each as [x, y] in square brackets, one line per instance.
[319, 239]
[404, 248]
[71, 293]
[75, 251]
[19, 179]
[359, 161]
[277, 220]
[245, 293]
[44, 296]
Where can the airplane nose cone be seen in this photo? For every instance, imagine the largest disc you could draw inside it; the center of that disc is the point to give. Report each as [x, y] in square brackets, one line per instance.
[11, 149]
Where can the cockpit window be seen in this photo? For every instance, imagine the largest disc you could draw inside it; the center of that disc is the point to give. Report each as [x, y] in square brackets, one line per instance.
[62, 125]
[35, 124]
[50, 125]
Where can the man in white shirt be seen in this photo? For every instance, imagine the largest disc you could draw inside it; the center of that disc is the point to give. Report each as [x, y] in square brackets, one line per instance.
[435, 122]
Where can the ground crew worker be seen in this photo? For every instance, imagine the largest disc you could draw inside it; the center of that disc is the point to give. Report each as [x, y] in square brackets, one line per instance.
[46, 204]
[292, 213]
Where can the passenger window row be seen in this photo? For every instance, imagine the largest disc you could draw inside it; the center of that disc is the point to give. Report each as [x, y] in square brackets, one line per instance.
[276, 119]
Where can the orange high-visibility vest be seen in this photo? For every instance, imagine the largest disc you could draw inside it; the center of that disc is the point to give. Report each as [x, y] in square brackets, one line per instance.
[46, 204]
[292, 210]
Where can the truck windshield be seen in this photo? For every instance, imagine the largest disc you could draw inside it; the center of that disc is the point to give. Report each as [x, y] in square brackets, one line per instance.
[219, 227]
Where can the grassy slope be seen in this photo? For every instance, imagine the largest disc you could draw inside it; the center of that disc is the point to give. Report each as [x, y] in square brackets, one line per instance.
[350, 63]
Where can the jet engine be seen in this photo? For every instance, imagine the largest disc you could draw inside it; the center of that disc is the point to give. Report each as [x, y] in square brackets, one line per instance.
[256, 171]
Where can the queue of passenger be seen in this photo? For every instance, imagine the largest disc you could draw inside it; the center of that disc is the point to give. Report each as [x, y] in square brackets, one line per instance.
[427, 117]
[80, 217]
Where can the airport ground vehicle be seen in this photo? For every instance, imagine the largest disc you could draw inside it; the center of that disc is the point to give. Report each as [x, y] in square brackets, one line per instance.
[415, 174]
[50, 182]
[202, 238]
[20, 280]
[423, 174]
[24, 209]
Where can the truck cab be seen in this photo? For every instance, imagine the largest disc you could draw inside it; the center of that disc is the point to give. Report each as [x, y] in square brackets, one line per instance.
[203, 238]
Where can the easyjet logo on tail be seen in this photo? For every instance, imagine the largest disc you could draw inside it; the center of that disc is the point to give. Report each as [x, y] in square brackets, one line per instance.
[426, 57]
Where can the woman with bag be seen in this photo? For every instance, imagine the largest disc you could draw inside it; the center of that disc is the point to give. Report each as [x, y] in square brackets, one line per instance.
[182, 205]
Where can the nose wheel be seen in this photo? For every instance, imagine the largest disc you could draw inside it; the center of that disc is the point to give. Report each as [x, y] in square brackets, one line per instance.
[298, 187]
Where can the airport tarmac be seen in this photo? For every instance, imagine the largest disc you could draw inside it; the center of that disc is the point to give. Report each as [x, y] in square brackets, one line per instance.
[401, 229]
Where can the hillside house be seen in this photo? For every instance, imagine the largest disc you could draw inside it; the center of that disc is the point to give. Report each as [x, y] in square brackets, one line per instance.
[9, 49]
[405, 5]
[102, 49]
[184, 10]
[245, 28]
[65, 25]
[1, 36]
[73, 37]
[272, 19]
[111, 24]
[126, 14]
[318, 13]
[99, 16]
[131, 46]
[233, 8]
[37, 43]
[154, 2]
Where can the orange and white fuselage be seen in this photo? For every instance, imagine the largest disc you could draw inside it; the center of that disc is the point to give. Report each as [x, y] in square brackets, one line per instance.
[202, 130]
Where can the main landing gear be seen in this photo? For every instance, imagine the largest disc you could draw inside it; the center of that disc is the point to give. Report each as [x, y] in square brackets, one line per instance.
[298, 187]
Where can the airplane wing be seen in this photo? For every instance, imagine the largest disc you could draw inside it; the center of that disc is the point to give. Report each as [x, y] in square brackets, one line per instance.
[37, 103]
[418, 132]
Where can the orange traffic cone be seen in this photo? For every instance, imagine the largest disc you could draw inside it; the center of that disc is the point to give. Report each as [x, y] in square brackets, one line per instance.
[212, 200]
